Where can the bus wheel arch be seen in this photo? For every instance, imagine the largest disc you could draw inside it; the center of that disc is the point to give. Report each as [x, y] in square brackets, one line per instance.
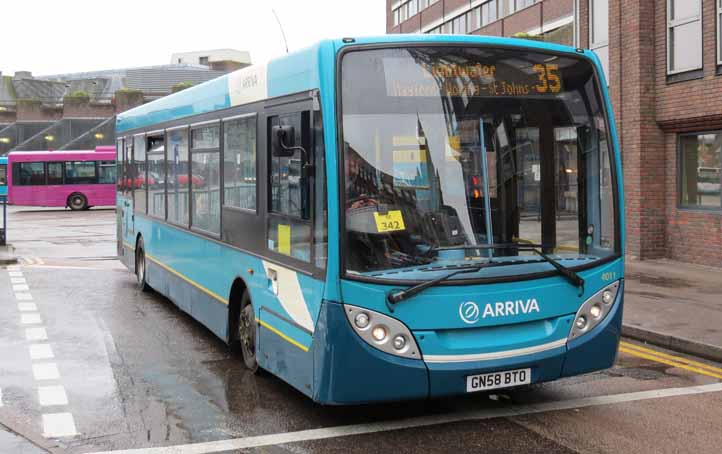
[140, 265]
[77, 201]
[242, 326]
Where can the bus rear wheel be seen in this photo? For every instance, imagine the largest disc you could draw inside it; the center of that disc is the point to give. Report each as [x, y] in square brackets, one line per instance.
[246, 334]
[77, 202]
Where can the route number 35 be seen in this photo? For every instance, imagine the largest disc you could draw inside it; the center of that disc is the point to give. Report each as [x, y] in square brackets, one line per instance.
[549, 80]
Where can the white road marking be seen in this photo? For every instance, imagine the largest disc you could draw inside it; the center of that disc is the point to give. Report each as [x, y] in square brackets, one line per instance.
[15, 273]
[23, 297]
[52, 395]
[40, 351]
[46, 371]
[18, 280]
[20, 288]
[13, 268]
[59, 267]
[59, 425]
[36, 334]
[27, 307]
[30, 319]
[421, 421]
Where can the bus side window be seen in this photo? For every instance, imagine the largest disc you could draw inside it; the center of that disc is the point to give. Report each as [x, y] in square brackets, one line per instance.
[289, 217]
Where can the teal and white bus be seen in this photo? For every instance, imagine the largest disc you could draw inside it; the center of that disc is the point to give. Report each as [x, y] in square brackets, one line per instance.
[387, 218]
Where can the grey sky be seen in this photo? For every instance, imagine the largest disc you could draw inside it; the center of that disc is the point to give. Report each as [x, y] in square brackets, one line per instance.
[50, 37]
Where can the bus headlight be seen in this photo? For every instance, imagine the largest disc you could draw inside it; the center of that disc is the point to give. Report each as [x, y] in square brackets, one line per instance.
[382, 332]
[594, 310]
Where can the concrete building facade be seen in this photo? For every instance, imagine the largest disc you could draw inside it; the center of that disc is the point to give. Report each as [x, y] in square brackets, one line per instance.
[663, 62]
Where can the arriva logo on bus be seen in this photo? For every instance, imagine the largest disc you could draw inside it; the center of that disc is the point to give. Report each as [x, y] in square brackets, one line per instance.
[470, 312]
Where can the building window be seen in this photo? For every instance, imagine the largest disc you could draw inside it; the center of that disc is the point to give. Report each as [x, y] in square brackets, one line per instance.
[699, 168]
[684, 35]
[458, 25]
[203, 60]
[599, 31]
[719, 32]
[396, 17]
[486, 14]
[239, 163]
[516, 5]
[413, 7]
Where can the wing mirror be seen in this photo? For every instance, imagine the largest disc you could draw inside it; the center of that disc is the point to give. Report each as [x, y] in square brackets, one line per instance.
[283, 138]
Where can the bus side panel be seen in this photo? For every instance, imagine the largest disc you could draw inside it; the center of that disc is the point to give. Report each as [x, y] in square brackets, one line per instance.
[284, 351]
[198, 291]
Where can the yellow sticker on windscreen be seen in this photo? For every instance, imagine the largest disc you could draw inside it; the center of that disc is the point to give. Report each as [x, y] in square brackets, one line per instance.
[284, 239]
[389, 222]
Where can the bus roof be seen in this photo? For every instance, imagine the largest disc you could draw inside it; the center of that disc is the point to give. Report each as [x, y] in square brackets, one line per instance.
[292, 73]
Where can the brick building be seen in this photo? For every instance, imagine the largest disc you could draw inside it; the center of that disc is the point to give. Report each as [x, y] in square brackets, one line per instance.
[663, 61]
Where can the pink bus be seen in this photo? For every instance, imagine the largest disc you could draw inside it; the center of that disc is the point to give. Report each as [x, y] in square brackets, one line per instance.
[74, 179]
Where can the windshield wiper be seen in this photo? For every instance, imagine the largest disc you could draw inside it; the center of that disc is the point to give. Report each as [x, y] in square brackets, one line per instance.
[396, 297]
[568, 274]
[565, 272]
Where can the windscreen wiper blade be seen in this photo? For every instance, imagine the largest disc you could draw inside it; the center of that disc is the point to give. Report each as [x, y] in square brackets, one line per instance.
[565, 272]
[568, 274]
[396, 297]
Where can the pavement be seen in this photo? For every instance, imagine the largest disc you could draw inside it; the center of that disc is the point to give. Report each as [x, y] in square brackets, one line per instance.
[674, 305]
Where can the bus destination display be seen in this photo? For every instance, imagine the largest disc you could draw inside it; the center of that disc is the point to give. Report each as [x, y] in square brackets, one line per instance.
[474, 80]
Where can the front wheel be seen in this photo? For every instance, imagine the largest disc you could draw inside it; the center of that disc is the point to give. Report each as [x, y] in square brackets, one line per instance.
[140, 268]
[78, 202]
[247, 333]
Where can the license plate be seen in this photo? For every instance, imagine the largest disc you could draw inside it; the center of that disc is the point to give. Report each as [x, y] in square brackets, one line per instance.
[496, 380]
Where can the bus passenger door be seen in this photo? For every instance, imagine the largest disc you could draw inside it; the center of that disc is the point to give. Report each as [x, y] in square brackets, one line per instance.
[291, 298]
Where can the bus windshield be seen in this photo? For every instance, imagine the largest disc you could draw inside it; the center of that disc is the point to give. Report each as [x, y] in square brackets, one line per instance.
[447, 148]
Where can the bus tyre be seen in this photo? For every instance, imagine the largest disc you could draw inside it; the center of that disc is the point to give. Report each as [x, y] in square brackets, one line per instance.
[140, 268]
[77, 202]
[247, 333]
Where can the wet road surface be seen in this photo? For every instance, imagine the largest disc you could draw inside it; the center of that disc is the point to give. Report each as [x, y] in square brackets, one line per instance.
[90, 364]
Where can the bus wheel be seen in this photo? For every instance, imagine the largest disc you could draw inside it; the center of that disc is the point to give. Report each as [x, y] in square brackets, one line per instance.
[140, 267]
[247, 333]
[77, 202]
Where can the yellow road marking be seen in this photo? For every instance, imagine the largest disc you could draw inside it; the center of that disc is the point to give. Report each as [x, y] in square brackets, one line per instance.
[193, 283]
[282, 336]
[671, 357]
[669, 362]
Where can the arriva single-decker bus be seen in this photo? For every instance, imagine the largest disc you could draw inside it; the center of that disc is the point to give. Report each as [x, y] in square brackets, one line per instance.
[387, 218]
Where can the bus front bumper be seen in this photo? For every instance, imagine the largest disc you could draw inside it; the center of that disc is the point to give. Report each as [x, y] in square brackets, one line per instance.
[349, 371]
